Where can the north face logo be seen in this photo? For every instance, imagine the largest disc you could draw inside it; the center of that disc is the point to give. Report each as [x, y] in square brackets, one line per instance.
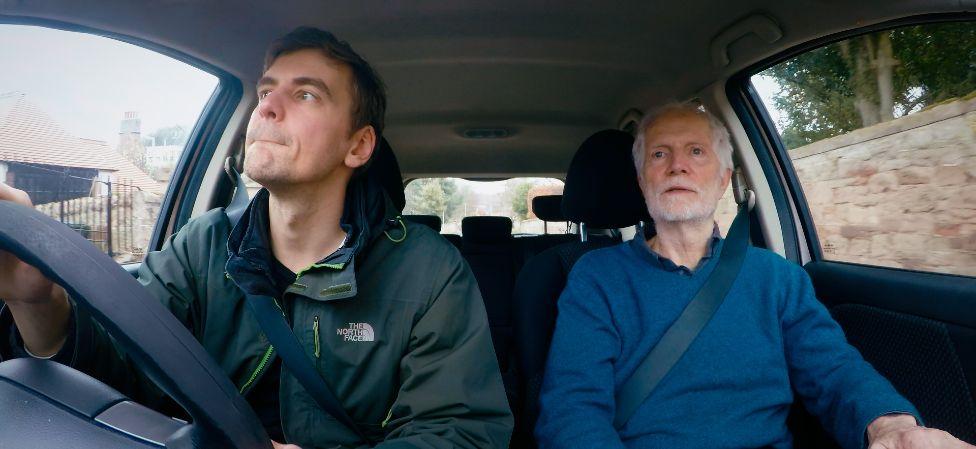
[356, 332]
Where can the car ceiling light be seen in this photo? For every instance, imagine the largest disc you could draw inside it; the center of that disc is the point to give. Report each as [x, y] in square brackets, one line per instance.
[486, 133]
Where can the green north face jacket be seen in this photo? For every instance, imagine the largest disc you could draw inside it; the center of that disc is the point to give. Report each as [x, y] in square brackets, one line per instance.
[394, 322]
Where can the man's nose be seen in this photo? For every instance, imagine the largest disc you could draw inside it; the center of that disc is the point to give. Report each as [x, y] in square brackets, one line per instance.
[270, 108]
[678, 165]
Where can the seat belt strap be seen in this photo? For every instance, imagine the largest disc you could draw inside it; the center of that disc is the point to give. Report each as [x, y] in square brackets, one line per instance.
[279, 333]
[683, 332]
[238, 203]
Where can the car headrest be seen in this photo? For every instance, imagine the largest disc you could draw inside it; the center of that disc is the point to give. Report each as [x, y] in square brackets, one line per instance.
[486, 230]
[431, 221]
[548, 207]
[601, 184]
[386, 171]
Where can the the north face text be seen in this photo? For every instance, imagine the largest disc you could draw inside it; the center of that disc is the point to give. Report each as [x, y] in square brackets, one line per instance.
[356, 332]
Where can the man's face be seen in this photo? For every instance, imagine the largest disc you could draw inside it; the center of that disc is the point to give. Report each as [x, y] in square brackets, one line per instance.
[300, 130]
[682, 178]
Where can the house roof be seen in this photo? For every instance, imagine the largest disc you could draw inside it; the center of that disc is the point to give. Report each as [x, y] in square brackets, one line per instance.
[30, 135]
[126, 171]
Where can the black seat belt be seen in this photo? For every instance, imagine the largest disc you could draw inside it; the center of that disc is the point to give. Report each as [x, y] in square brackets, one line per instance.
[689, 324]
[239, 202]
[279, 333]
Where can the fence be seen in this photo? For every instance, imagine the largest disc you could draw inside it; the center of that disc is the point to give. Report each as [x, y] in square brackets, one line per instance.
[106, 220]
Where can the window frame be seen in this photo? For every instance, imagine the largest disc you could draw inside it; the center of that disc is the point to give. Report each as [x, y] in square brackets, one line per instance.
[773, 155]
[407, 181]
[177, 202]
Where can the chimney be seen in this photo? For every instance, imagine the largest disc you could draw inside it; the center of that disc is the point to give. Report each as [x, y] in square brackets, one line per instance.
[130, 140]
[130, 123]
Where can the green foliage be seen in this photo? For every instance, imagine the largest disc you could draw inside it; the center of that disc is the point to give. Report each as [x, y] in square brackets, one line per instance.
[434, 196]
[872, 78]
[520, 200]
[454, 199]
[941, 59]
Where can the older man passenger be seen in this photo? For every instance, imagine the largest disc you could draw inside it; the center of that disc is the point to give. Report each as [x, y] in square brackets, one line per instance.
[732, 388]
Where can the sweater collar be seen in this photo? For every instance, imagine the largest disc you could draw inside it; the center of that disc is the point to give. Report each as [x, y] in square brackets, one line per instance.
[640, 246]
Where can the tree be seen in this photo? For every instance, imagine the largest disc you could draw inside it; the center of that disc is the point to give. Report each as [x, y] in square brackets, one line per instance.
[872, 78]
[520, 200]
[454, 199]
[425, 197]
[170, 135]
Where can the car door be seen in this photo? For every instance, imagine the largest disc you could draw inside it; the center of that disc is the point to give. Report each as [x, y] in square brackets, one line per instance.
[868, 141]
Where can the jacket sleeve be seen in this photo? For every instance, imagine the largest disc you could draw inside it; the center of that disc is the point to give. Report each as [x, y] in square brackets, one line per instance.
[451, 392]
[168, 275]
[577, 403]
[832, 379]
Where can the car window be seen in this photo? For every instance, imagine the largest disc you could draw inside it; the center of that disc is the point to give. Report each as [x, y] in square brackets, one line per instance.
[452, 199]
[881, 131]
[92, 129]
[725, 210]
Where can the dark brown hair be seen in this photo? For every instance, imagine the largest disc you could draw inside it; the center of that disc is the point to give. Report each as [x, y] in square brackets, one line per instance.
[369, 94]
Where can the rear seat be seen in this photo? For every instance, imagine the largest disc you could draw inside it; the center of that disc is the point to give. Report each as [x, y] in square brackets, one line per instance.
[488, 246]
[547, 208]
[601, 193]
[431, 221]
[434, 222]
[454, 239]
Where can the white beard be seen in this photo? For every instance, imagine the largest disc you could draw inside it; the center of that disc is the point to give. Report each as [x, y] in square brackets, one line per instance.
[677, 209]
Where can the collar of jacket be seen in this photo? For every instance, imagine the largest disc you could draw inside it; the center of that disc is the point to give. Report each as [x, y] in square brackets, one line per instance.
[368, 214]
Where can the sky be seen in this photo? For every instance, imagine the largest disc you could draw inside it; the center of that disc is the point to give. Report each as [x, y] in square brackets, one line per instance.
[767, 88]
[87, 82]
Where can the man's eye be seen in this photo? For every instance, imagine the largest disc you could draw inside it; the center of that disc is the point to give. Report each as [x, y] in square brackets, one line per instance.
[263, 94]
[307, 96]
[697, 151]
[658, 154]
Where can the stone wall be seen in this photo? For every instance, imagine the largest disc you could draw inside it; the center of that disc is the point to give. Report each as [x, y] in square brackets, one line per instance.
[898, 194]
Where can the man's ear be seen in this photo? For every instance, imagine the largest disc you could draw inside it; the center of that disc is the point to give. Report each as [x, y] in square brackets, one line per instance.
[363, 142]
[726, 178]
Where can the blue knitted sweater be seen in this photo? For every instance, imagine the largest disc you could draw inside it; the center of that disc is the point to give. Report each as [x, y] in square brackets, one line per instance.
[732, 389]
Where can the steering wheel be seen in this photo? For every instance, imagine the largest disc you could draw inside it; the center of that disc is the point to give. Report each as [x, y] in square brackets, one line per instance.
[48, 405]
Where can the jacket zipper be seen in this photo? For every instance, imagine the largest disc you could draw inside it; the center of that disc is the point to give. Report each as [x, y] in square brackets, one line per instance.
[315, 332]
[257, 371]
[264, 359]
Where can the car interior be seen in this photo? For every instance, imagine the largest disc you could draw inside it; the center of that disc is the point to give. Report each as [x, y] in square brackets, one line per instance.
[489, 91]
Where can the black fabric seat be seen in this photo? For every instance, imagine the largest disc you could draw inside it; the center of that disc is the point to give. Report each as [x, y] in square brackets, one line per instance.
[385, 170]
[547, 208]
[601, 193]
[454, 239]
[431, 221]
[488, 246]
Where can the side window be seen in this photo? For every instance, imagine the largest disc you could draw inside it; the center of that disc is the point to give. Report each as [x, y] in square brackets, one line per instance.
[725, 211]
[881, 131]
[452, 199]
[91, 128]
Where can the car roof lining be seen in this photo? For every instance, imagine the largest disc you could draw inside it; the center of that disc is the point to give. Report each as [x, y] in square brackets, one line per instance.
[551, 76]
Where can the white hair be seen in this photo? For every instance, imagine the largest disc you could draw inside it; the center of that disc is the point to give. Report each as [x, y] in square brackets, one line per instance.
[721, 142]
